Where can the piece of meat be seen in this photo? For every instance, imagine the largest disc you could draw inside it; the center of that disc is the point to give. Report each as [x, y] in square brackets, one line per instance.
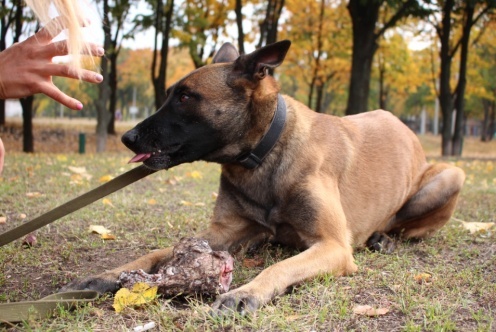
[194, 269]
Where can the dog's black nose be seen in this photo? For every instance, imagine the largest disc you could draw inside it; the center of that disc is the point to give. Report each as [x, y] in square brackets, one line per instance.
[130, 137]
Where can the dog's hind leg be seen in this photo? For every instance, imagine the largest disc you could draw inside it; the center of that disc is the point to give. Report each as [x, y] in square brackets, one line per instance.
[431, 207]
[380, 242]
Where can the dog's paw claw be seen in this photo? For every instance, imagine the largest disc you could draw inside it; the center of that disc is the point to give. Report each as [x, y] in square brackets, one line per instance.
[98, 284]
[229, 303]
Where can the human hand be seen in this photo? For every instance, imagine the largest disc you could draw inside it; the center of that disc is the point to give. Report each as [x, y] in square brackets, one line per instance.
[27, 68]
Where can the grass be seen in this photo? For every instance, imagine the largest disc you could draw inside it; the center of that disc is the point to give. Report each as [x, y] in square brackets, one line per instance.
[158, 210]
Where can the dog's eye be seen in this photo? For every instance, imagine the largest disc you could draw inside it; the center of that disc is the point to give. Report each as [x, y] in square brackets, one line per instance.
[183, 97]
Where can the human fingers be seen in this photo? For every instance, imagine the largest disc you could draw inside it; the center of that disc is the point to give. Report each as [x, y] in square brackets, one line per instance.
[60, 48]
[53, 92]
[66, 71]
[50, 30]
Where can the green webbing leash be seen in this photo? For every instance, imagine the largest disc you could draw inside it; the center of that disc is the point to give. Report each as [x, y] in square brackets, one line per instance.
[45, 307]
[19, 311]
[75, 204]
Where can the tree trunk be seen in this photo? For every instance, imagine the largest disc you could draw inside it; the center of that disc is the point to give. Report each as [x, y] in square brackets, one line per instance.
[462, 81]
[162, 25]
[113, 91]
[27, 124]
[320, 94]
[239, 22]
[364, 15]
[445, 96]
[103, 115]
[488, 124]
[268, 27]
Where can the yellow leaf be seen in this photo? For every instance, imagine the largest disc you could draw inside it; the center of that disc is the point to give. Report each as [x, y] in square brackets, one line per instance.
[77, 170]
[475, 227]
[423, 278]
[152, 201]
[98, 229]
[140, 294]
[105, 178]
[186, 203]
[107, 236]
[107, 201]
[61, 157]
[369, 311]
[33, 194]
[194, 175]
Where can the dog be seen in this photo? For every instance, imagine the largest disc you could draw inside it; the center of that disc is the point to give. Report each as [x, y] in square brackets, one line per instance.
[317, 182]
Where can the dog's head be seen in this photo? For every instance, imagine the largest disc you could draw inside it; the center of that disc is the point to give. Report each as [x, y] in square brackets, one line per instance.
[215, 113]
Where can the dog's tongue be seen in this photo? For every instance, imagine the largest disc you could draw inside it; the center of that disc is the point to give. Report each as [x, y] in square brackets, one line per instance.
[139, 157]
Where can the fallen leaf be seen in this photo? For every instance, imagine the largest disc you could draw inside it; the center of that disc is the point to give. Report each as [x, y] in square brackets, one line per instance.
[22, 216]
[33, 194]
[3, 220]
[423, 278]
[369, 311]
[79, 173]
[107, 236]
[152, 201]
[475, 227]
[108, 202]
[141, 293]
[186, 203]
[214, 195]
[194, 175]
[77, 170]
[98, 229]
[105, 178]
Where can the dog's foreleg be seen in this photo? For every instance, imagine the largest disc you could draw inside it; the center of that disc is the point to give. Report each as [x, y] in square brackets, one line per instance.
[108, 281]
[229, 234]
[323, 257]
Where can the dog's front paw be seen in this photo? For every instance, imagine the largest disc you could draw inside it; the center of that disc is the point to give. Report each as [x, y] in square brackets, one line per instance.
[100, 283]
[241, 302]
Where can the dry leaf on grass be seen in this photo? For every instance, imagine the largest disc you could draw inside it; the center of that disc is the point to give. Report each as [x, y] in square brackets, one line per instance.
[3, 220]
[367, 310]
[422, 278]
[141, 293]
[33, 194]
[105, 234]
[194, 175]
[108, 202]
[475, 227]
[105, 178]
[152, 201]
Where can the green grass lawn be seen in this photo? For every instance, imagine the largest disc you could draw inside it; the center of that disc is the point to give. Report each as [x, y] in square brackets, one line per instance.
[460, 293]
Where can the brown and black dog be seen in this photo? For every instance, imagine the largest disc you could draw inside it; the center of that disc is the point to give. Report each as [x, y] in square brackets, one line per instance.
[317, 182]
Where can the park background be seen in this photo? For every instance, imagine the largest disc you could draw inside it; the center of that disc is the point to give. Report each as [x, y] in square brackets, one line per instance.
[431, 63]
[409, 57]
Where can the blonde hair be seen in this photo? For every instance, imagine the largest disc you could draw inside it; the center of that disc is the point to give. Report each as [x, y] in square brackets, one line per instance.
[71, 18]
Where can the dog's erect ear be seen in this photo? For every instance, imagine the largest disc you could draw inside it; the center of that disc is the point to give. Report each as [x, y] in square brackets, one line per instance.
[256, 64]
[227, 53]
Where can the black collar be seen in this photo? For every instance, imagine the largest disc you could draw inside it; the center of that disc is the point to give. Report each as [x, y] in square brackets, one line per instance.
[269, 140]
